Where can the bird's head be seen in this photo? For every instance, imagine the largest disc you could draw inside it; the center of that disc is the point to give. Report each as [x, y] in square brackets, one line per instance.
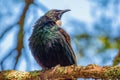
[56, 15]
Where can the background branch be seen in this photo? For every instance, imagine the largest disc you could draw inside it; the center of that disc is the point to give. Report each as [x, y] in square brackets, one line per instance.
[20, 44]
[116, 60]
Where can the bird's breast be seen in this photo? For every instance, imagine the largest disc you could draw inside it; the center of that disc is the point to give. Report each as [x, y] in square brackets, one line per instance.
[45, 34]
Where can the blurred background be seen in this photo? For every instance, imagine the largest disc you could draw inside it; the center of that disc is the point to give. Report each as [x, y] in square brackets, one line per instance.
[94, 27]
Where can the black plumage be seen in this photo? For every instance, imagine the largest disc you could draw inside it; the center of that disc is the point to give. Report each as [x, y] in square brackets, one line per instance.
[49, 43]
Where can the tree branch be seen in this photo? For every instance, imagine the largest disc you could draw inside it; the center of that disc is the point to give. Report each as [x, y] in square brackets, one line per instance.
[20, 44]
[116, 60]
[58, 72]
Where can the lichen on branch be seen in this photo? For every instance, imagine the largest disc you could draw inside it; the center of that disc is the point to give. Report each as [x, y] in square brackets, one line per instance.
[91, 71]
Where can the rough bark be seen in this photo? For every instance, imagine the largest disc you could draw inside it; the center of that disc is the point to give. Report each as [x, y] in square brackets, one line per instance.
[60, 73]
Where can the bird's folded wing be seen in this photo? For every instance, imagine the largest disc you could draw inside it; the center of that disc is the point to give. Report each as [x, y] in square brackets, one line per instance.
[68, 40]
[60, 49]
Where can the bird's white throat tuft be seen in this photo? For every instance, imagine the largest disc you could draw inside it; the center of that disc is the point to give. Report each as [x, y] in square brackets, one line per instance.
[58, 22]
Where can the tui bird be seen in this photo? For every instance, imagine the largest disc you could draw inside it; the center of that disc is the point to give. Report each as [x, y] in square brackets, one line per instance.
[49, 43]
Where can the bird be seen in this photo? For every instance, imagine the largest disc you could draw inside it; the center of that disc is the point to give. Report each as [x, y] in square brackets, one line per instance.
[50, 44]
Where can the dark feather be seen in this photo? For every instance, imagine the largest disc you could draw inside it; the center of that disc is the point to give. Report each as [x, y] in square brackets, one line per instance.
[50, 44]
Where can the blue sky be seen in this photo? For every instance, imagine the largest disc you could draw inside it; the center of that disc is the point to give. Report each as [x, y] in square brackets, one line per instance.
[80, 10]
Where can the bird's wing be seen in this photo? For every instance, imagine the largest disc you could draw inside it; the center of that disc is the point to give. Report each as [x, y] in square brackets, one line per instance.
[53, 50]
[68, 40]
[58, 51]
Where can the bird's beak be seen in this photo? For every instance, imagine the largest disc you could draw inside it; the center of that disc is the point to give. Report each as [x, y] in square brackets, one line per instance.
[63, 11]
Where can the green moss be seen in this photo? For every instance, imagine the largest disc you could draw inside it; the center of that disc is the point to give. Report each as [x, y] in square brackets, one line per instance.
[35, 73]
[113, 73]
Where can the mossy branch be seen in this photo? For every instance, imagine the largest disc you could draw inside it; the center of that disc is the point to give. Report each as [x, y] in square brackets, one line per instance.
[58, 72]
